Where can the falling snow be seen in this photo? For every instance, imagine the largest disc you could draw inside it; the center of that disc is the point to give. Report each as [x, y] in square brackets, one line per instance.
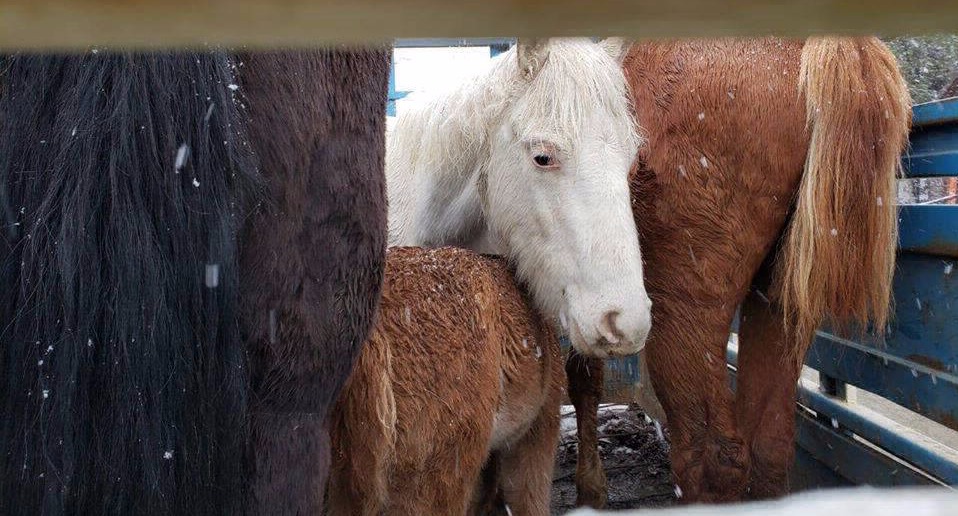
[181, 154]
[212, 278]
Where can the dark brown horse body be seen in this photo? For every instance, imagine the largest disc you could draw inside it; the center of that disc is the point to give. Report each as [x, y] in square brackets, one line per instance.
[313, 255]
[768, 180]
[162, 349]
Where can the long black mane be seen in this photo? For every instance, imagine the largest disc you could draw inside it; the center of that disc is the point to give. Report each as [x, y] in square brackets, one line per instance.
[123, 379]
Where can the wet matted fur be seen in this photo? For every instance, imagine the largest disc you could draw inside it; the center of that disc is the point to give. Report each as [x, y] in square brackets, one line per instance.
[460, 366]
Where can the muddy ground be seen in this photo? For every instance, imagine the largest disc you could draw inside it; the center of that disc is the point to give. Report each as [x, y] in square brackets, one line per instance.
[635, 454]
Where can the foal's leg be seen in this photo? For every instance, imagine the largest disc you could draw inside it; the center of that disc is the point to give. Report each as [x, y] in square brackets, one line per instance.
[487, 498]
[525, 467]
[586, 376]
[769, 368]
[687, 362]
[439, 487]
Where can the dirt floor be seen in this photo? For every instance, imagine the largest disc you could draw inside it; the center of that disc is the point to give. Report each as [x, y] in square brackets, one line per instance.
[634, 451]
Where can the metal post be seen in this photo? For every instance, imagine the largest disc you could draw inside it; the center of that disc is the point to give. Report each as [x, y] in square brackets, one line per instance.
[393, 95]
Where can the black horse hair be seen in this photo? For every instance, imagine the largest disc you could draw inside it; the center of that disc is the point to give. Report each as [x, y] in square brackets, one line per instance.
[124, 178]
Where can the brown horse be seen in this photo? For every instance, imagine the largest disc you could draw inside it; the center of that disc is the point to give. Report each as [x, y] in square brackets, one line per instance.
[459, 369]
[768, 180]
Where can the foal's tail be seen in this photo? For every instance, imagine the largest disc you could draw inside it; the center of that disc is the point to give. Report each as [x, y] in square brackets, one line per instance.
[122, 373]
[363, 447]
[839, 252]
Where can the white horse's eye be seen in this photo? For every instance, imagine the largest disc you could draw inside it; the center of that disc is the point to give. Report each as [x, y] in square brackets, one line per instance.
[544, 155]
[542, 160]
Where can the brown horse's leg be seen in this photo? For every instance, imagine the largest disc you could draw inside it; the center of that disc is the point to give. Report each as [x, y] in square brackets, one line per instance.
[525, 468]
[765, 404]
[687, 362]
[586, 377]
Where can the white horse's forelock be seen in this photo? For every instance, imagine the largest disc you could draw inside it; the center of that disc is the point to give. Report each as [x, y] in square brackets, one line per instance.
[575, 79]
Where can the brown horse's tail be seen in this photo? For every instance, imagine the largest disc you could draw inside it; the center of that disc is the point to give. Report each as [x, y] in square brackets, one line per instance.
[839, 250]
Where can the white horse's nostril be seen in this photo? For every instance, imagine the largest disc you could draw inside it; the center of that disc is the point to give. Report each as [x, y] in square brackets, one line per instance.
[609, 329]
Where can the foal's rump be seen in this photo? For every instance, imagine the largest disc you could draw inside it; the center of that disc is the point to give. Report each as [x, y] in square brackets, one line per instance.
[123, 376]
[456, 357]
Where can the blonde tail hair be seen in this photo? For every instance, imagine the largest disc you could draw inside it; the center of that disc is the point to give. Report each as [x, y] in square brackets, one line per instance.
[839, 250]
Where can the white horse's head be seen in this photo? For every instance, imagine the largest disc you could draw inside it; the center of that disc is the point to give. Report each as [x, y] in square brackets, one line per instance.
[555, 192]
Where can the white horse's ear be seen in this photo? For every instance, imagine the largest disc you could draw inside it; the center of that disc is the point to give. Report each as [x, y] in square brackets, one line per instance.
[618, 48]
[532, 54]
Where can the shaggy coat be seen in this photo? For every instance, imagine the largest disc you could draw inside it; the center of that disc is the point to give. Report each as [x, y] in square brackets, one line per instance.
[459, 370]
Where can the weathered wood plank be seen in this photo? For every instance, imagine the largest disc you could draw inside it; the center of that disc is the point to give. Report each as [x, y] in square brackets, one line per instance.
[255, 23]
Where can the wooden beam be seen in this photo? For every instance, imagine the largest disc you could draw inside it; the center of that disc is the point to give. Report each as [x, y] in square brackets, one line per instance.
[77, 24]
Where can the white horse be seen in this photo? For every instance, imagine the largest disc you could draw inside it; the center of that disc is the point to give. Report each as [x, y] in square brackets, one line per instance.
[530, 159]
